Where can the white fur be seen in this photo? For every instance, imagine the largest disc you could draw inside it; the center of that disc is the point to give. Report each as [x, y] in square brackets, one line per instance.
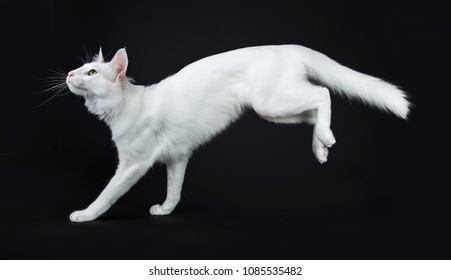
[167, 121]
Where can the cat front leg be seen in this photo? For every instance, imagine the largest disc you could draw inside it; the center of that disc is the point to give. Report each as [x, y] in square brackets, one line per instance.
[176, 173]
[126, 176]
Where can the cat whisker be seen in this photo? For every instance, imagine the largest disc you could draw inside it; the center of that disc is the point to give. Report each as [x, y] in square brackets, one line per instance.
[83, 60]
[52, 97]
[51, 88]
[54, 82]
[58, 71]
[64, 93]
[87, 56]
[52, 79]
[108, 54]
[77, 99]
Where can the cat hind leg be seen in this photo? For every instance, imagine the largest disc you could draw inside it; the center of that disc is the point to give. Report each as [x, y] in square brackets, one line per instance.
[322, 127]
[320, 151]
[312, 107]
[308, 117]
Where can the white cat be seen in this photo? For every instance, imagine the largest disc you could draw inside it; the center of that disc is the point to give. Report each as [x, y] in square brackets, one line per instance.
[166, 122]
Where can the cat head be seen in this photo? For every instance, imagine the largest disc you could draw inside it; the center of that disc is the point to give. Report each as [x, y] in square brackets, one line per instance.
[100, 79]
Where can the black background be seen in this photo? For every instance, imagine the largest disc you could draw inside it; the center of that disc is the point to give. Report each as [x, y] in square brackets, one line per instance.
[256, 191]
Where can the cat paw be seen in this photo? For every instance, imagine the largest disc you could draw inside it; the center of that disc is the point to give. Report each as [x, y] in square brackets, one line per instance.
[326, 137]
[158, 210]
[81, 216]
[321, 152]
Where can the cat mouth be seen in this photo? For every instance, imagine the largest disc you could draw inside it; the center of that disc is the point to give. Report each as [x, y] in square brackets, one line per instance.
[76, 89]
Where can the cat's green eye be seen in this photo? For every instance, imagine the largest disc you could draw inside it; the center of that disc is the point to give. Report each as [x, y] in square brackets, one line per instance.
[92, 72]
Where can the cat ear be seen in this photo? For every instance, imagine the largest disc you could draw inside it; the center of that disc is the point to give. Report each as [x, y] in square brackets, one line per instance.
[99, 57]
[120, 63]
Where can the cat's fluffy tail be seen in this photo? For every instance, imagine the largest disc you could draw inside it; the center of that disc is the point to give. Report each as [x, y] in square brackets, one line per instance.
[369, 89]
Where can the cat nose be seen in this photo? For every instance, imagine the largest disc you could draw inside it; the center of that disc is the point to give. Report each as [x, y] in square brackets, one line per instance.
[70, 74]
